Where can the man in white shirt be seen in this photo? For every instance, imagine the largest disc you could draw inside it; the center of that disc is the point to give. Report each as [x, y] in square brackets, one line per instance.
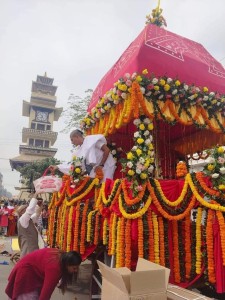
[95, 153]
[28, 236]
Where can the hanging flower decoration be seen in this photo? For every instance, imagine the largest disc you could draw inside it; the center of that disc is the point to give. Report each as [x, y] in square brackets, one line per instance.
[139, 164]
[215, 167]
[155, 89]
[181, 169]
[116, 151]
[156, 18]
[76, 172]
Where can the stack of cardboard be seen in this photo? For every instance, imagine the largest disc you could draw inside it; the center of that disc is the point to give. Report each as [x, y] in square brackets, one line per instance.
[148, 282]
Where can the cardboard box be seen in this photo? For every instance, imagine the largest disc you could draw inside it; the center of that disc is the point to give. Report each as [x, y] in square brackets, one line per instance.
[176, 293]
[148, 282]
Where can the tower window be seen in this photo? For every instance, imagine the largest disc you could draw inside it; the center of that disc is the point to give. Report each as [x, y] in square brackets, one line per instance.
[31, 142]
[46, 144]
[33, 125]
[48, 127]
[39, 143]
[40, 127]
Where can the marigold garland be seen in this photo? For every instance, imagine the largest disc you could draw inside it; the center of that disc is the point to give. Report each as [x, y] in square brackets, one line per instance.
[122, 242]
[167, 201]
[220, 219]
[176, 261]
[151, 253]
[114, 232]
[118, 245]
[138, 213]
[140, 238]
[187, 247]
[210, 246]
[105, 232]
[161, 241]
[181, 169]
[110, 234]
[89, 224]
[128, 243]
[156, 237]
[200, 199]
[212, 192]
[83, 227]
[96, 231]
[198, 262]
[94, 182]
[69, 230]
[76, 228]
[165, 214]
[136, 199]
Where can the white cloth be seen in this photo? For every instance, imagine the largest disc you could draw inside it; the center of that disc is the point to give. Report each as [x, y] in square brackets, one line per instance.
[91, 152]
[33, 212]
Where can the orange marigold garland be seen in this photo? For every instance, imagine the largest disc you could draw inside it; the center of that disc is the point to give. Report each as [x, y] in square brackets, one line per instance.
[187, 241]
[76, 228]
[151, 253]
[212, 192]
[181, 169]
[222, 233]
[176, 262]
[128, 243]
[114, 227]
[140, 238]
[97, 229]
[210, 246]
[161, 241]
[110, 234]
[198, 241]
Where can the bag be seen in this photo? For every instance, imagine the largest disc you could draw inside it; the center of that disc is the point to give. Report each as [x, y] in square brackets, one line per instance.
[47, 184]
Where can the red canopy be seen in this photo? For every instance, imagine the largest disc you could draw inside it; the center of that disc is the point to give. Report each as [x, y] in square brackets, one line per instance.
[165, 53]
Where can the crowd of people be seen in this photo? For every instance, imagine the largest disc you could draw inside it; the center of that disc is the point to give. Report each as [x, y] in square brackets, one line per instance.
[9, 217]
[41, 269]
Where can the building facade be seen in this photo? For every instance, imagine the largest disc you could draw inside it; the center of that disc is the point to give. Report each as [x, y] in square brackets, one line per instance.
[38, 138]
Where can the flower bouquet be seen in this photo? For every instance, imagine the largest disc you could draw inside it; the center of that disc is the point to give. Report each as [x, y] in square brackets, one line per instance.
[139, 164]
[76, 172]
[215, 167]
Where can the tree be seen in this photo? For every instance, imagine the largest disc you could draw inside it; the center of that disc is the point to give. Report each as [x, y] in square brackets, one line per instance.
[34, 170]
[76, 110]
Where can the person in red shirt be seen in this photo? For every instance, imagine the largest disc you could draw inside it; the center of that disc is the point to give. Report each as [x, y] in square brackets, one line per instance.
[37, 274]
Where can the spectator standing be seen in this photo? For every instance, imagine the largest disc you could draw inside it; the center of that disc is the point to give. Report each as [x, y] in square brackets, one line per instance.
[28, 235]
[4, 212]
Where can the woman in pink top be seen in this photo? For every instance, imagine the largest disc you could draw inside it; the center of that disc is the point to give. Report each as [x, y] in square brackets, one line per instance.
[37, 274]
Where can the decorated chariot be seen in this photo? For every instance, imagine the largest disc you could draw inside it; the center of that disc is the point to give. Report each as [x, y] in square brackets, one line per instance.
[161, 104]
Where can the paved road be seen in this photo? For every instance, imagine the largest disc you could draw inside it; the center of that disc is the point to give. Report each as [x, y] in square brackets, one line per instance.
[80, 291]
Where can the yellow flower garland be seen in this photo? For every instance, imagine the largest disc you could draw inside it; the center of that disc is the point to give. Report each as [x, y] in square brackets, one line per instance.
[137, 214]
[200, 199]
[156, 237]
[198, 241]
[180, 198]
[89, 224]
[69, 230]
[118, 258]
[94, 182]
[105, 231]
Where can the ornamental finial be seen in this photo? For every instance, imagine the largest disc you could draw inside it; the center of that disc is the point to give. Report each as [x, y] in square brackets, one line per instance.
[156, 17]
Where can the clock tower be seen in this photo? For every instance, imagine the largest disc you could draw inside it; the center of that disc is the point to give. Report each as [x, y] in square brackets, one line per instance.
[39, 137]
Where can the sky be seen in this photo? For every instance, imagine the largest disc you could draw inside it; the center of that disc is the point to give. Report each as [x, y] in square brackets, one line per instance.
[76, 42]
